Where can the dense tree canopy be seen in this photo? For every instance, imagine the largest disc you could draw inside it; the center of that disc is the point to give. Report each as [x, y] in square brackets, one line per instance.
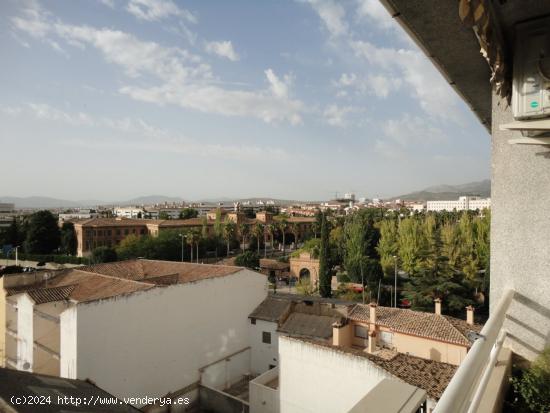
[42, 233]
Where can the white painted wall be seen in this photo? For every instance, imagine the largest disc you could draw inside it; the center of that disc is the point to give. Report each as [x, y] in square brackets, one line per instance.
[24, 332]
[227, 371]
[319, 379]
[262, 398]
[263, 355]
[153, 342]
[68, 343]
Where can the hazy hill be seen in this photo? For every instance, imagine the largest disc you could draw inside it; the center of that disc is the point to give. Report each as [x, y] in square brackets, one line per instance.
[450, 192]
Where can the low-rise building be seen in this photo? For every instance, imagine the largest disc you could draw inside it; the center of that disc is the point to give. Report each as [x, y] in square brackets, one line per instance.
[138, 327]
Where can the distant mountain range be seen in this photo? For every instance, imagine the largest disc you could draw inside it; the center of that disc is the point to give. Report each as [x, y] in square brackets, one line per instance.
[442, 192]
[449, 192]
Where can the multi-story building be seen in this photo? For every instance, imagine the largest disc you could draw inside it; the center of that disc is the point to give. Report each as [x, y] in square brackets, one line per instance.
[109, 232]
[77, 214]
[134, 328]
[129, 212]
[464, 203]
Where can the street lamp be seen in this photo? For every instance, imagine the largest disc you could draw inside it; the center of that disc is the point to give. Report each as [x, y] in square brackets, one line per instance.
[395, 280]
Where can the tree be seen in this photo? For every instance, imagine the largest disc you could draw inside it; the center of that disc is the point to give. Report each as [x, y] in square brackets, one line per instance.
[103, 254]
[412, 245]
[325, 276]
[533, 386]
[188, 213]
[282, 226]
[130, 247]
[43, 233]
[243, 231]
[388, 246]
[204, 227]
[218, 225]
[164, 215]
[228, 233]
[295, 230]
[13, 233]
[258, 231]
[68, 239]
[270, 228]
[248, 259]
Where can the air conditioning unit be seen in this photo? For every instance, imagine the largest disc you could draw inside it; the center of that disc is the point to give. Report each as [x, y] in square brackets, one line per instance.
[531, 83]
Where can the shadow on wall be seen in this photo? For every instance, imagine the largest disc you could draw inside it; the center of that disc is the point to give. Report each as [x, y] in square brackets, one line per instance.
[538, 332]
[435, 355]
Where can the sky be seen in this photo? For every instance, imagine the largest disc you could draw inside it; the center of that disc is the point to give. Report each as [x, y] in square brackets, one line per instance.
[114, 99]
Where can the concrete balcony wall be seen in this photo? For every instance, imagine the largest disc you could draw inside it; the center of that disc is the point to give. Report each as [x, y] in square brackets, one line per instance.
[520, 234]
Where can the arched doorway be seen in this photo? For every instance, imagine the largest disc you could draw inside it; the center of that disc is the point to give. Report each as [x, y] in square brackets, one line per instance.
[304, 274]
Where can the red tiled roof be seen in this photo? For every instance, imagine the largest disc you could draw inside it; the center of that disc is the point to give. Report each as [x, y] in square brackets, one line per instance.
[107, 280]
[418, 323]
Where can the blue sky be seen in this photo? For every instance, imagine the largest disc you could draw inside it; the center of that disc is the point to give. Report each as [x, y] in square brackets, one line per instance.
[111, 99]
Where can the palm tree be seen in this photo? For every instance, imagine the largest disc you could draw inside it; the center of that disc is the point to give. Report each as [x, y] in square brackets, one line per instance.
[198, 237]
[243, 231]
[270, 229]
[228, 233]
[295, 230]
[190, 240]
[258, 231]
[283, 225]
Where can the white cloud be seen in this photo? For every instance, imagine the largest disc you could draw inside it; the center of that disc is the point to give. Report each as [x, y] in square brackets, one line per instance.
[108, 3]
[46, 112]
[374, 11]
[332, 14]
[337, 115]
[428, 86]
[155, 10]
[378, 85]
[171, 75]
[222, 49]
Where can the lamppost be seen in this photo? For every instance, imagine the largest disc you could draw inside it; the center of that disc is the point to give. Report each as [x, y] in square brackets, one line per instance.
[395, 280]
[362, 279]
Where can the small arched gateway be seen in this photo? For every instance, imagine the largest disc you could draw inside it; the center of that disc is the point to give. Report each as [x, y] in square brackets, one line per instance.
[305, 267]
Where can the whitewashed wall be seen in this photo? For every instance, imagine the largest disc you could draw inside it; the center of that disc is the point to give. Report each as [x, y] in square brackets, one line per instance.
[227, 371]
[153, 342]
[319, 379]
[263, 355]
[264, 399]
[24, 332]
[68, 344]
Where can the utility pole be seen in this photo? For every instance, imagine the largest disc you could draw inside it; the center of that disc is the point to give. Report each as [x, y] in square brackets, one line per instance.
[395, 280]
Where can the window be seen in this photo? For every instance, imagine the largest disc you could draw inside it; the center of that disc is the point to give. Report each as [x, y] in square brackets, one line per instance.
[142, 231]
[266, 337]
[126, 232]
[118, 232]
[361, 331]
[252, 321]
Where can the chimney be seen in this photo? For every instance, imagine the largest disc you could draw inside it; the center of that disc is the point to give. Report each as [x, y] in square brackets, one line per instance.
[372, 316]
[470, 315]
[437, 302]
[372, 342]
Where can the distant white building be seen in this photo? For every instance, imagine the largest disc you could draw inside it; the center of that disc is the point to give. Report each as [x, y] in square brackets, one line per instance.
[129, 212]
[464, 203]
[79, 214]
[6, 208]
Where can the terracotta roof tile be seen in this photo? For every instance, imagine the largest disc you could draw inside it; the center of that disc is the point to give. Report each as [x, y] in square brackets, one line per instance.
[47, 295]
[418, 323]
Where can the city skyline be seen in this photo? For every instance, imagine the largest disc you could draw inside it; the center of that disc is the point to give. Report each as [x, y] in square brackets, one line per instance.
[146, 97]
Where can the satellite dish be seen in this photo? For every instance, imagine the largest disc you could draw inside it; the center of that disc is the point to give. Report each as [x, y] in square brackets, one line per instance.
[26, 365]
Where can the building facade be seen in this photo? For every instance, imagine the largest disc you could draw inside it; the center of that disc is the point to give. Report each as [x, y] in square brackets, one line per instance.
[464, 203]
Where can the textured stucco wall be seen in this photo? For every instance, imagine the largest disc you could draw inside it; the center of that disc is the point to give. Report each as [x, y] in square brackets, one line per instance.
[263, 355]
[520, 235]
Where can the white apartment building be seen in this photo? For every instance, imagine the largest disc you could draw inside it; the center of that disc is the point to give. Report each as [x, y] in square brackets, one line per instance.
[79, 214]
[464, 203]
[6, 208]
[129, 212]
[135, 328]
